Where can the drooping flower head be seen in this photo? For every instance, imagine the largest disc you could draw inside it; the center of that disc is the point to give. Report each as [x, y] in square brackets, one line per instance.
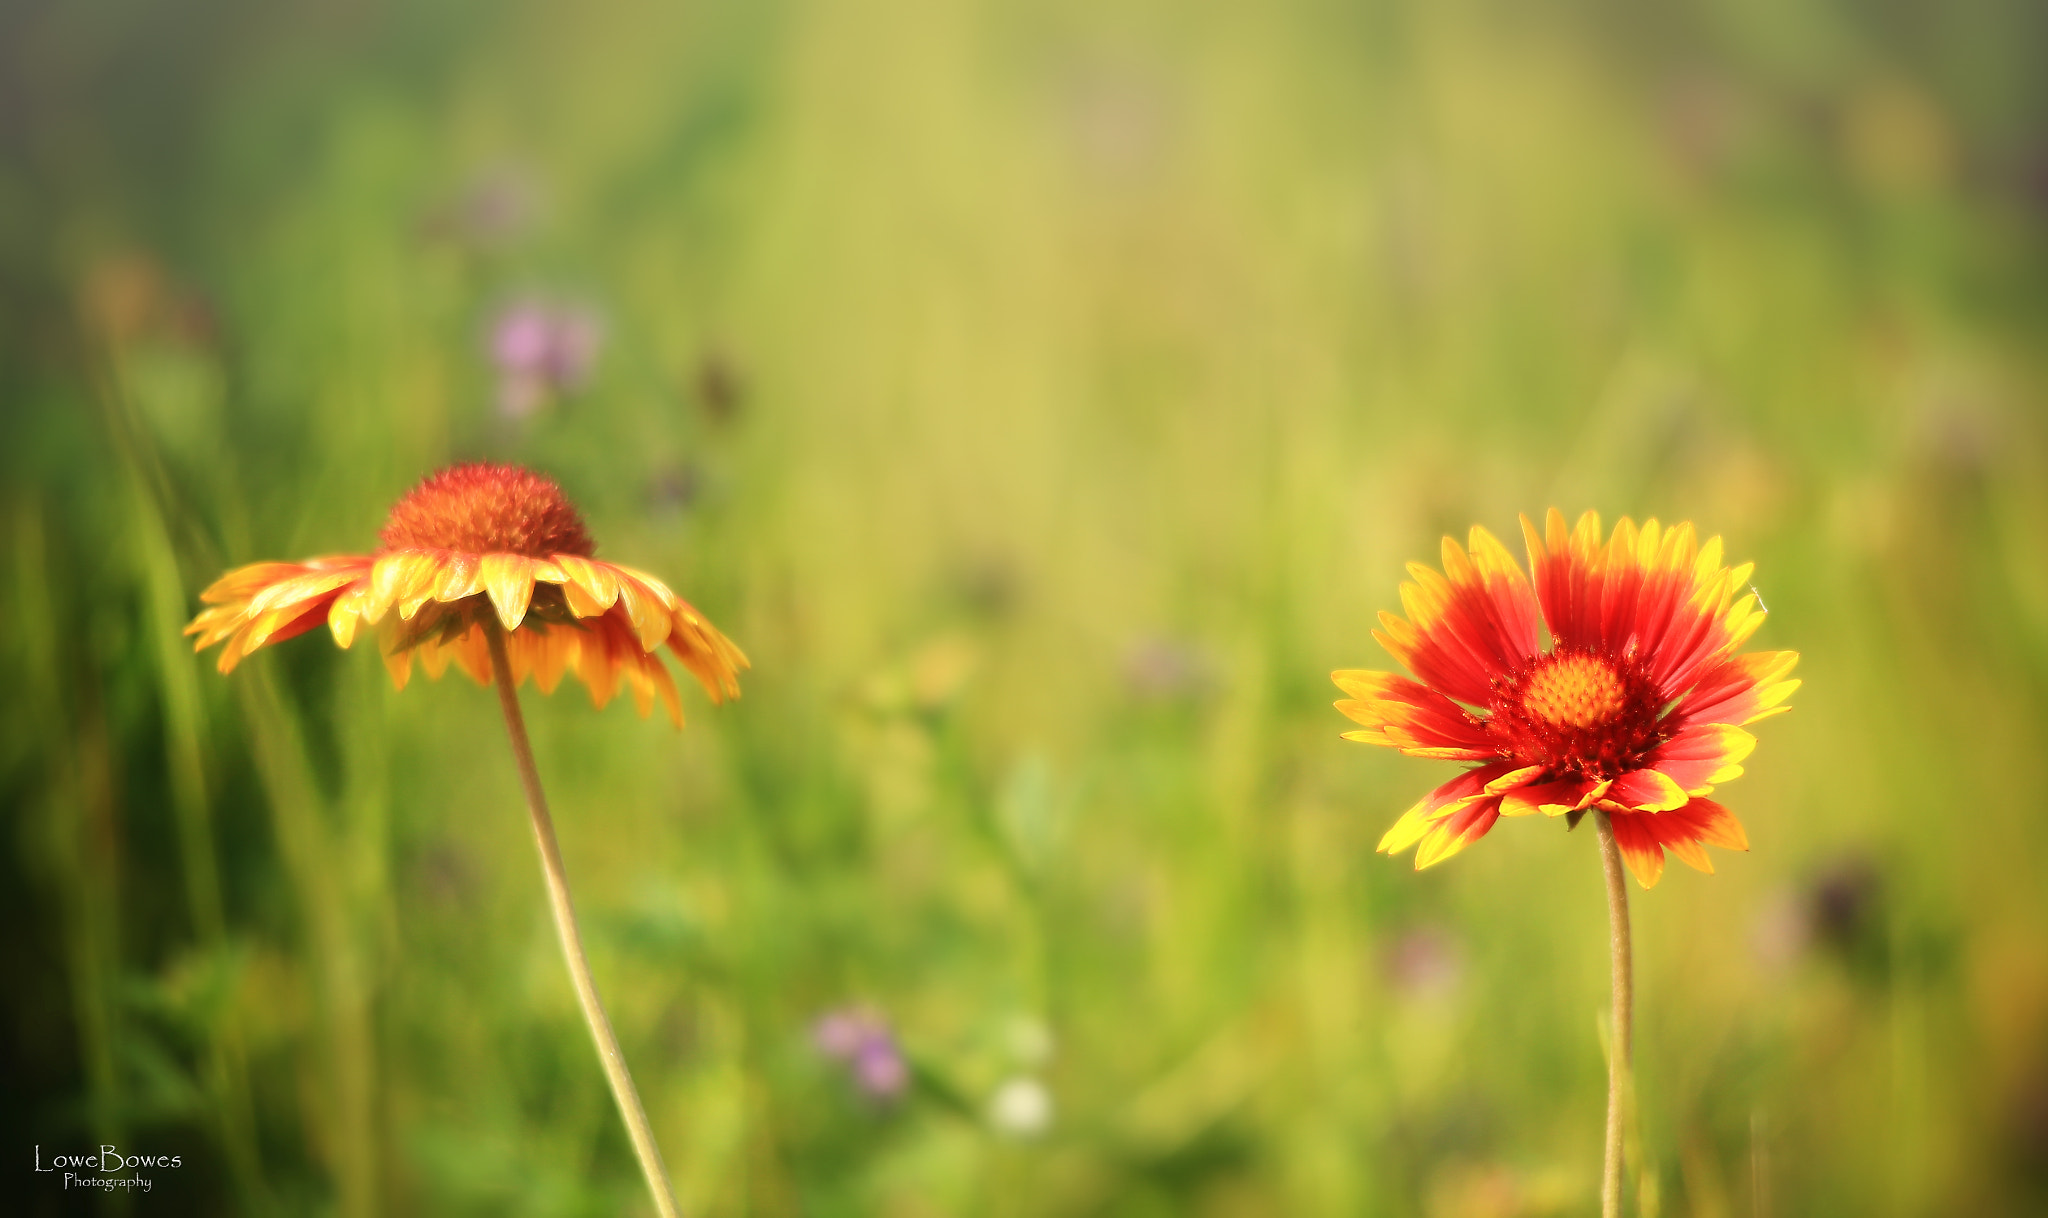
[1635, 703]
[471, 549]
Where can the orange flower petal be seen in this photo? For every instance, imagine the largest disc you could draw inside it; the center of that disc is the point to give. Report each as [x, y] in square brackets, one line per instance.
[644, 611]
[1688, 851]
[1703, 820]
[433, 658]
[390, 575]
[213, 625]
[1639, 846]
[655, 588]
[665, 689]
[592, 587]
[508, 578]
[345, 614]
[547, 654]
[708, 656]
[421, 576]
[462, 576]
[472, 653]
[310, 585]
[397, 662]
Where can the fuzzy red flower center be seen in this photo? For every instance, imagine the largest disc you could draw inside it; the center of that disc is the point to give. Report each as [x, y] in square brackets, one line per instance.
[487, 509]
[1573, 691]
[1578, 714]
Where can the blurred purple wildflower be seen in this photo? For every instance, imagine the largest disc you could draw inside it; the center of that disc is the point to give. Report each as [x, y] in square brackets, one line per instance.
[862, 1040]
[1162, 669]
[1424, 964]
[541, 350]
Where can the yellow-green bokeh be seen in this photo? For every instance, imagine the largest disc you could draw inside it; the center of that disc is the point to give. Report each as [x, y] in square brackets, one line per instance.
[1047, 397]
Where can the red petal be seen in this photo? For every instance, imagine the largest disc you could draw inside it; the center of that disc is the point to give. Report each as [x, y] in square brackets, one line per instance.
[1410, 716]
[1703, 755]
[1457, 831]
[1701, 820]
[1644, 836]
[1646, 791]
[1639, 846]
[1565, 569]
[1473, 622]
[1741, 689]
[1552, 798]
[1444, 803]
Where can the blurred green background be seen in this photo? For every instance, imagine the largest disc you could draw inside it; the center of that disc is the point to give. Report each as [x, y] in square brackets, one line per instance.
[1046, 396]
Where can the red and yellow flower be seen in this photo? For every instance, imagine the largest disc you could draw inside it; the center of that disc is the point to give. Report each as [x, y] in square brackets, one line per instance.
[472, 549]
[1636, 706]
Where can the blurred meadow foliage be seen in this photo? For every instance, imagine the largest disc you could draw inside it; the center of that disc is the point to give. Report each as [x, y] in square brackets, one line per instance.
[1046, 396]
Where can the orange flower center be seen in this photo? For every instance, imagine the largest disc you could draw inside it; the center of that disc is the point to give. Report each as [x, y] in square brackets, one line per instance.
[487, 509]
[1576, 713]
[1573, 691]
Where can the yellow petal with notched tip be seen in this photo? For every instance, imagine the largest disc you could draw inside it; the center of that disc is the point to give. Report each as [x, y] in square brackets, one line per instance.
[508, 578]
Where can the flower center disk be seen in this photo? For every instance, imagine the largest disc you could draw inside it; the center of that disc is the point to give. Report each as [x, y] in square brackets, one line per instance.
[1576, 714]
[487, 509]
[1573, 691]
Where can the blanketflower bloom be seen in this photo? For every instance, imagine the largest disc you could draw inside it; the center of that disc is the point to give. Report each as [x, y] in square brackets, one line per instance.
[472, 548]
[1636, 706]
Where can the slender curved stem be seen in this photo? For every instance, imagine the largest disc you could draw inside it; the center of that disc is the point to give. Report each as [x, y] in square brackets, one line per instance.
[572, 940]
[1620, 1052]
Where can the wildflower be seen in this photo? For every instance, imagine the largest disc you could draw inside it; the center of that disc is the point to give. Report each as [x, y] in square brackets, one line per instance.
[1425, 964]
[1636, 708]
[1159, 669]
[541, 350]
[863, 1041]
[1021, 1107]
[471, 549]
[1634, 711]
[490, 565]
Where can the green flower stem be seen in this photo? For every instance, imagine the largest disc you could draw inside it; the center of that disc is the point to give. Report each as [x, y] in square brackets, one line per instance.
[1620, 1051]
[572, 939]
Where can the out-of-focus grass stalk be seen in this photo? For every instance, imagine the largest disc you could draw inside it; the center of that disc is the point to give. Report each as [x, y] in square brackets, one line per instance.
[184, 732]
[79, 822]
[1908, 1021]
[309, 851]
[226, 1066]
[366, 810]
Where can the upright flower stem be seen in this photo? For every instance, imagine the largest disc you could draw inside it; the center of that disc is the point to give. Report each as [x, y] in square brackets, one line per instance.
[1620, 1051]
[572, 939]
